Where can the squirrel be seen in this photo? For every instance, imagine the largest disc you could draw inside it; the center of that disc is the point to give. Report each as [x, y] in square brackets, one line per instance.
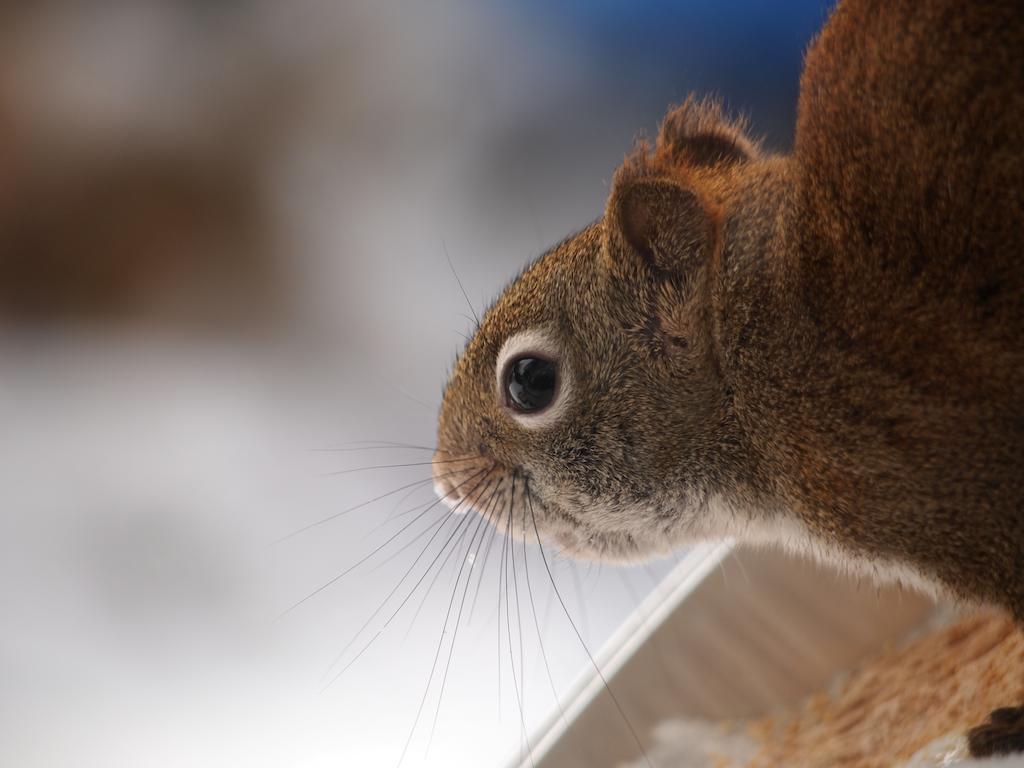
[822, 349]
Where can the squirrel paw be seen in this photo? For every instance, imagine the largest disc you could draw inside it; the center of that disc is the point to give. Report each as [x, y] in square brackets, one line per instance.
[1001, 735]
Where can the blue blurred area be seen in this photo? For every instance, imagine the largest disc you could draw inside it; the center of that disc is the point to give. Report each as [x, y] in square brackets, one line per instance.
[643, 55]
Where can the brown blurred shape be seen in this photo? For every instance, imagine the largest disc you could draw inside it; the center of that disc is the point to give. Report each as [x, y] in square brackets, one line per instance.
[160, 235]
[130, 225]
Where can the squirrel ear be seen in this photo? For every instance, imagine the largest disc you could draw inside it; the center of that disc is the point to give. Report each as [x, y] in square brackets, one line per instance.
[698, 133]
[659, 223]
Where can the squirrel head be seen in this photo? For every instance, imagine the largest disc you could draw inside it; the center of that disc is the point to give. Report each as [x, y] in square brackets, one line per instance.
[589, 402]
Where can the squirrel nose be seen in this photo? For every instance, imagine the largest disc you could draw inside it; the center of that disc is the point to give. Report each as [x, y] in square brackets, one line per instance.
[445, 489]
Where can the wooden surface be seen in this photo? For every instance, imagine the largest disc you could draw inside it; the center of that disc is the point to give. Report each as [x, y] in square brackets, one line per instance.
[732, 633]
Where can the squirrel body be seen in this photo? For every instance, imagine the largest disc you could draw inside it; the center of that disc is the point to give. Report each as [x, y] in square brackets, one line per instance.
[822, 349]
[884, 339]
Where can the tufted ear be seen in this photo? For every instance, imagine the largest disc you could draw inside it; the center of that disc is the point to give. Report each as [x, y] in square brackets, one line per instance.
[656, 216]
[657, 223]
[698, 134]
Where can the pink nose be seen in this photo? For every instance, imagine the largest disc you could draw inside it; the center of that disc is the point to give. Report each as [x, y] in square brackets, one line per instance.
[446, 494]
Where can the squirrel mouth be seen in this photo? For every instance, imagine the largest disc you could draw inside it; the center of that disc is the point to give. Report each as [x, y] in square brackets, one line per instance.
[496, 493]
[505, 499]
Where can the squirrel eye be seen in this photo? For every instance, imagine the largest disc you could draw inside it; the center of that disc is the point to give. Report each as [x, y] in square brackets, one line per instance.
[530, 384]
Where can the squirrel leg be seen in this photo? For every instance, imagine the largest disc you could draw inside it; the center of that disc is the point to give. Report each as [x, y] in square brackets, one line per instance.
[1001, 735]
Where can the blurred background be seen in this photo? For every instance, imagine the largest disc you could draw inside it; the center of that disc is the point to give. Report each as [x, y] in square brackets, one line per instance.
[223, 229]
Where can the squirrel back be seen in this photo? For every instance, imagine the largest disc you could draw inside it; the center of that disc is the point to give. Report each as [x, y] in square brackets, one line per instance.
[887, 338]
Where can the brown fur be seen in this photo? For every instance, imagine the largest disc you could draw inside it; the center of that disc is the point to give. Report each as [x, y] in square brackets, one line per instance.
[899, 701]
[880, 356]
[826, 344]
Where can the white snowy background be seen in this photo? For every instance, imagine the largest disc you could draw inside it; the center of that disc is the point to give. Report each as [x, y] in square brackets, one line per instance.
[146, 473]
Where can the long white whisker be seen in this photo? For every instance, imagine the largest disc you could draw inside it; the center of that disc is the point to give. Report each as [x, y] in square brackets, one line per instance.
[579, 637]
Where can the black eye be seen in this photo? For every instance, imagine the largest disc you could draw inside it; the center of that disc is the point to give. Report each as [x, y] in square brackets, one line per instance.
[530, 384]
